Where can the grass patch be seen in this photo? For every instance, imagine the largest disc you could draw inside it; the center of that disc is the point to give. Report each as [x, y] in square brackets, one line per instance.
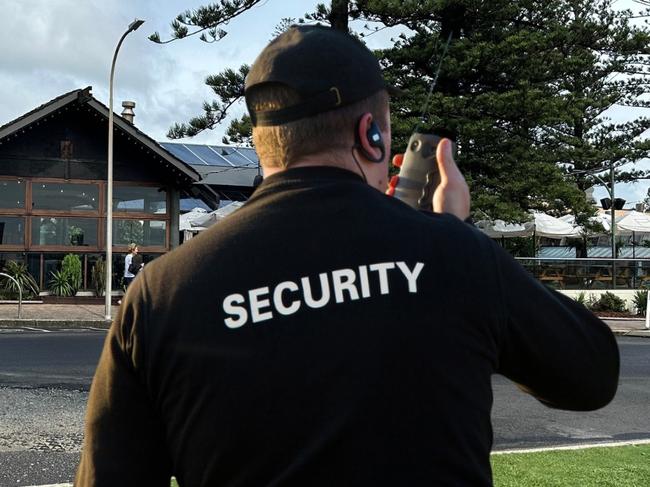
[622, 466]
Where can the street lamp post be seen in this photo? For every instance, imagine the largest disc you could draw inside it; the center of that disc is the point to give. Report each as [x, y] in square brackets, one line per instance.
[109, 186]
[612, 197]
[613, 224]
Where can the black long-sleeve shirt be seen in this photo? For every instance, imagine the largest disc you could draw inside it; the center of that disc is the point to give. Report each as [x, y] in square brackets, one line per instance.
[326, 334]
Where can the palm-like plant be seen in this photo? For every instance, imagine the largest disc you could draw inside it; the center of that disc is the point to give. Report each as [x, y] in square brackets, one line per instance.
[60, 284]
[26, 281]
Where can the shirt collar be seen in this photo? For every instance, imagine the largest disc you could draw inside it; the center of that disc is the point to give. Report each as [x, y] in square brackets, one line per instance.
[308, 174]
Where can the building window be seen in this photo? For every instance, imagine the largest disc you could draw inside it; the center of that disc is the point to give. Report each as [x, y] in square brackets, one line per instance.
[51, 264]
[12, 194]
[12, 230]
[146, 233]
[68, 232]
[140, 199]
[65, 196]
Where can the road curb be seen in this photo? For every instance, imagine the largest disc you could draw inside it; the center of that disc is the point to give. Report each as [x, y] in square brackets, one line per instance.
[632, 333]
[579, 446]
[54, 324]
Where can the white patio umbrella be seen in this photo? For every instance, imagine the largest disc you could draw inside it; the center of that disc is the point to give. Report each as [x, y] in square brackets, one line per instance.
[603, 219]
[551, 227]
[186, 219]
[541, 225]
[501, 229]
[634, 221]
[217, 215]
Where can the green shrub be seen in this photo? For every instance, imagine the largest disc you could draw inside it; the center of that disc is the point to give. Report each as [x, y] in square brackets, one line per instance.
[641, 301]
[592, 302]
[71, 269]
[19, 272]
[609, 302]
[581, 298]
[60, 284]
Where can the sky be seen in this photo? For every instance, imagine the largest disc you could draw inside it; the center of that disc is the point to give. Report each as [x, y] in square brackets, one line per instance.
[54, 46]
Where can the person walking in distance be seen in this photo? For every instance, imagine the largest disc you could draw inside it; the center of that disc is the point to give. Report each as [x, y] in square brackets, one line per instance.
[326, 333]
[132, 265]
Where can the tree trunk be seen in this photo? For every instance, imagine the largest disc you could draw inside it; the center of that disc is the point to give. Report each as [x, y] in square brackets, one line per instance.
[338, 16]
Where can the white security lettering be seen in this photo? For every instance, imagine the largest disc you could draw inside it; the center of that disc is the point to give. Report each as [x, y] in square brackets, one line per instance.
[325, 289]
[288, 297]
[277, 298]
[257, 304]
[239, 311]
[411, 276]
[383, 269]
[343, 280]
[363, 280]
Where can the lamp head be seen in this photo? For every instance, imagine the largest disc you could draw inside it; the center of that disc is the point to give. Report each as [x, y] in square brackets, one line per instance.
[135, 24]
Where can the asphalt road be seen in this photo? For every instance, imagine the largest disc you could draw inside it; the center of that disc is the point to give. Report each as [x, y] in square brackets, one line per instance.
[520, 421]
[44, 379]
[57, 359]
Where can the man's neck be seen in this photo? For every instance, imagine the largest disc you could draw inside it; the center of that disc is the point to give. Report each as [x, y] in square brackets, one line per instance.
[334, 160]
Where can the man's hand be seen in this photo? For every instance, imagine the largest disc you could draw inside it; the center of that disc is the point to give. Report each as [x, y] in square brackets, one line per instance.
[452, 194]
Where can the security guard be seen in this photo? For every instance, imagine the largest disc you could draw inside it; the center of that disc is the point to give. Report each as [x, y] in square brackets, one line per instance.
[325, 333]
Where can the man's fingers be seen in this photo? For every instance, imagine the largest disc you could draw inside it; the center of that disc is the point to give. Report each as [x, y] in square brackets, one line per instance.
[446, 165]
[452, 195]
[398, 159]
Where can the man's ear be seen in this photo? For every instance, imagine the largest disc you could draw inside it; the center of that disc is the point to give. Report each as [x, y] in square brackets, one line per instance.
[368, 137]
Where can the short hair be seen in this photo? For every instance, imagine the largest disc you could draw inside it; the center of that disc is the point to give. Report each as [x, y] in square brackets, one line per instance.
[282, 145]
[132, 246]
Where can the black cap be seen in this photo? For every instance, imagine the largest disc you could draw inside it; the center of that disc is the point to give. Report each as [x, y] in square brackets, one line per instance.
[327, 68]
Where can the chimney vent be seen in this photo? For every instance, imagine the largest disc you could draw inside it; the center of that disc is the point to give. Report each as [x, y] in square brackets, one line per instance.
[128, 112]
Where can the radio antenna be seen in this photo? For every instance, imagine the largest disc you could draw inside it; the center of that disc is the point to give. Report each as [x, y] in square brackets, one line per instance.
[425, 109]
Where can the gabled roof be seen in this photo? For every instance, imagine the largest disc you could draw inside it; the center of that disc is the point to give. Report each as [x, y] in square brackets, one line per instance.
[43, 111]
[84, 96]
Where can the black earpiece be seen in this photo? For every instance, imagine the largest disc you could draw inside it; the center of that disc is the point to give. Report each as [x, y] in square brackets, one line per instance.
[374, 139]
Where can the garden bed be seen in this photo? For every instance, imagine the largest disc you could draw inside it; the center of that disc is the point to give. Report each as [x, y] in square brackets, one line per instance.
[618, 314]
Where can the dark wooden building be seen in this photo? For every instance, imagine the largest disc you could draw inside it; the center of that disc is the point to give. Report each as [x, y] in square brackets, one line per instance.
[53, 172]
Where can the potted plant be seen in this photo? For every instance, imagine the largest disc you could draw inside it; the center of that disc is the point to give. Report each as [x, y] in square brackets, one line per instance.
[76, 235]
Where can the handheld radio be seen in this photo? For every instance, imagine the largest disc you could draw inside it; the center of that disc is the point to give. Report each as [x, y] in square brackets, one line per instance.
[419, 176]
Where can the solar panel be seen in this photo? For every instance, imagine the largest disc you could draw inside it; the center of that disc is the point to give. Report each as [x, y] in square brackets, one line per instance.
[233, 157]
[211, 157]
[249, 153]
[180, 151]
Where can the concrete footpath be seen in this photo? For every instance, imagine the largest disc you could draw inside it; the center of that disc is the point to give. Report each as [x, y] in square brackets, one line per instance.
[57, 316]
[54, 316]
